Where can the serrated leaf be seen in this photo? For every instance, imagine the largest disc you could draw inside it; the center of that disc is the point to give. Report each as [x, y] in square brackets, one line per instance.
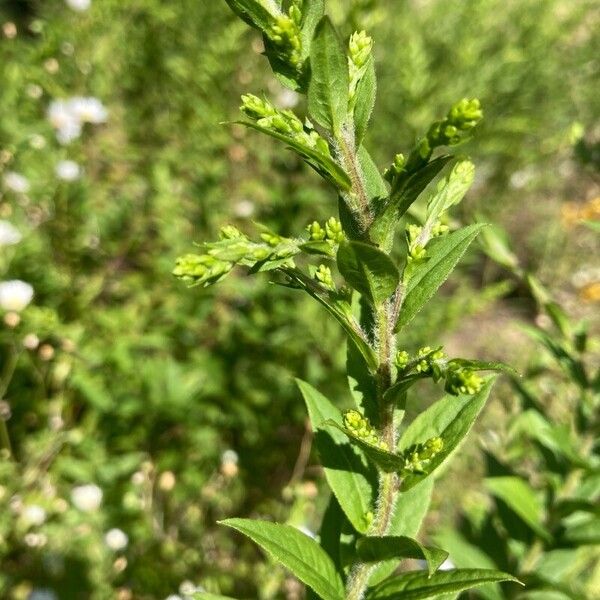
[366, 92]
[417, 585]
[402, 199]
[329, 80]
[522, 499]
[295, 551]
[323, 164]
[346, 469]
[312, 13]
[450, 418]
[368, 270]
[376, 549]
[426, 279]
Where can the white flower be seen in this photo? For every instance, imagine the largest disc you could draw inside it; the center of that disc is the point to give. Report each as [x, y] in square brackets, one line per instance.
[79, 5]
[187, 588]
[287, 99]
[15, 295]
[86, 498]
[62, 117]
[230, 456]
[34, 514]
[116, 539]
[68, 170]
[31, 341]
[16, 182]
[42, 594]
[173, 597]
[88, 110]
[9, 234]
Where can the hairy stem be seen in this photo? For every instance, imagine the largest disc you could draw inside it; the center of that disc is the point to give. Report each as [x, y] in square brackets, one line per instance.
[388, 482]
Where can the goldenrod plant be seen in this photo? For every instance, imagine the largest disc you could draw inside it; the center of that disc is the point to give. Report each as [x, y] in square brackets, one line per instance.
[373, 282]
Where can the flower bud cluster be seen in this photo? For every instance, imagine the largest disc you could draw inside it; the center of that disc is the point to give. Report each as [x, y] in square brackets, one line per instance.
[324, 277]
[359, 51]
[462, 381]
[332, 231]
[416, 251]
[232, 248]
[284, 122]
[396, 168]
[362, 428]
[285, 35]
[417, 456]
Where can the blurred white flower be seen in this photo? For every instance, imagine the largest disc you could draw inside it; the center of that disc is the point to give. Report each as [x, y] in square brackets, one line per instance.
[173, 597]
[230, 456]
[79, 5]
[243, 208]
[89, 110]
[68, 170]
[16, 182]
[31, 341]
[86, 498]
[9, 234]
[33, 514]
[42, 594]
[37, 141]
[187, 588]
[35, 540]
[116, 539]
[287, 99]
[15, 295]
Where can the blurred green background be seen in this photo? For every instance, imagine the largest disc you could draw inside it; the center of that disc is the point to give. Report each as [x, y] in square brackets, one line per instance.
[134, 412]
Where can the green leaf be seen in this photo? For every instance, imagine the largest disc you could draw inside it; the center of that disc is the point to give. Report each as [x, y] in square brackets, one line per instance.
[329, 81]
[323, 164]
[295, 551]
[451, 418]
[252, 12]
[585, 533]
[312, 13]
[374, 182]
[366, 92]
[416, 585]
[451, 189]
[340, 310]
[484, 365]
[444, 254]
[386, 461]
[345, 467]
[401, 200]
[522, 499]
[375, 549]
[368, 270]
[410, 510]
[467, 556]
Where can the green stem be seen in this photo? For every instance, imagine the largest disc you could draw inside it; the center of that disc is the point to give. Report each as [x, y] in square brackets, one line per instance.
[388, 483]
[5, 379]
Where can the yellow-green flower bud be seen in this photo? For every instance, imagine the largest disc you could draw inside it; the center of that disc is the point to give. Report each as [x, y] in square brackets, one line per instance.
[323, 276]
[362, 428]
[462, 381]
[402, 359]
[316, 232]
[334, 231]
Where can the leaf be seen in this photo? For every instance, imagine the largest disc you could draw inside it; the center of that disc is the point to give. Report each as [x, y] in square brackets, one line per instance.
[374, 182]
[295, 551]
[345, 467]
[467, 556]
[451, 418]
[312, 13]
[368, 270]
[329, 81]
[411, 507]
[339, 309]
[416, 585]
[323, 164]
[522, 499]
[375, 549]
[386, 461]
[252, 12]
[366, 92]
[585, 533]
[484, 365]
[444, 255]
[401, 200]
[451, 189]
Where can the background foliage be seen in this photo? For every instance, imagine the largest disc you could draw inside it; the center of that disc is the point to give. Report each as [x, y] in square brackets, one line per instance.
[143, 388]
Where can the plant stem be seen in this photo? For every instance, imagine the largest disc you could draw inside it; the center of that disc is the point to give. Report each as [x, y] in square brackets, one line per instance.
[388, 482]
